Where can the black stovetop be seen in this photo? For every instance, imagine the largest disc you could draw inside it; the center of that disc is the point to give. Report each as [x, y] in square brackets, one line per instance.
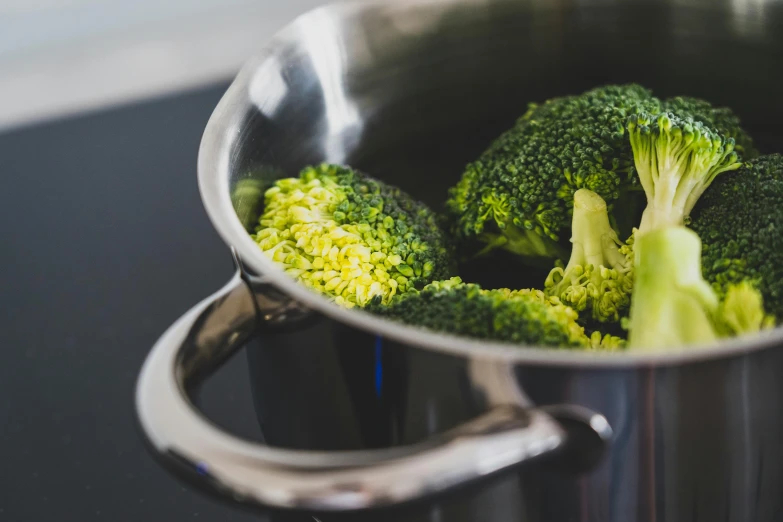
[104, 243]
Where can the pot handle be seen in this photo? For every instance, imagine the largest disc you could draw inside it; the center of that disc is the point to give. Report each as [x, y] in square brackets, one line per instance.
[264, 476]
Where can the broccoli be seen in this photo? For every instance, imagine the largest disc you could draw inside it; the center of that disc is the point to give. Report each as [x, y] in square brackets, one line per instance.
[605, 342]
[351, 237]
[740, 222]
[519, 193]
[598, 276]
[518, 316]
[676, 160]
[579, 165]
[742, 310]
[677, 157]
[721, 119]
[672, 305]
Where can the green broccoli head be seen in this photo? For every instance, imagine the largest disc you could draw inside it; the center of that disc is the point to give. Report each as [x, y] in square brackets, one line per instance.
[351, 237]
[676, 160]
[516, 316]
[673, 306]
[721, 119]
[518, 194]
[599, 274]
[740, 222]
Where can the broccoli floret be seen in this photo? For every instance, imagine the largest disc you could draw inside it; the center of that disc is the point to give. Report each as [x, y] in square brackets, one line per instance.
[676, 160]
[721, 119]
[599, 276]
[351, 237]
[519, 194]
[672, 305]
[740, 222]
[742, 310]
[605, 342]
[517, 316]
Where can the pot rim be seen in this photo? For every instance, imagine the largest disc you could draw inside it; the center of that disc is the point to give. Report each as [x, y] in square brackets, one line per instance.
[214, 162]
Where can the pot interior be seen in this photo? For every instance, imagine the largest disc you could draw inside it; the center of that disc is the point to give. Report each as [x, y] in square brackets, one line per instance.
[412, 92]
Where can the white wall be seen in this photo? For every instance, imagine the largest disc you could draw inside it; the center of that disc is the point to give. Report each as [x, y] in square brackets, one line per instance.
[62, 56]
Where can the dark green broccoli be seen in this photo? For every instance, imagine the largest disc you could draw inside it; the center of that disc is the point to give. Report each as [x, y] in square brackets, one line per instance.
[518, 195]
[351, 237]
[721, 119]
[672, 305]
[740, 222]
[599, 274]
[516, 316]
[676, 160]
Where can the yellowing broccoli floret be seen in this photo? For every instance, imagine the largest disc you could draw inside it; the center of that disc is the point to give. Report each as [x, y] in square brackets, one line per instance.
[599, 275]
[351, 237]
[742, 310]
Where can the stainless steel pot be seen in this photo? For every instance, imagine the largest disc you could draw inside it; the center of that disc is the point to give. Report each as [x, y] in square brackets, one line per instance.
[363, 414]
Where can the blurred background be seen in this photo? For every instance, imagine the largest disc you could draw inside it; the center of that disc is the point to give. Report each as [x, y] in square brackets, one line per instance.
[58, 57]
[105, 241]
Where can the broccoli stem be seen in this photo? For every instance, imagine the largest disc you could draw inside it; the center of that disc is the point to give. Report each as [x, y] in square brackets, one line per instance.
[676, 189]
[672, 305]
[598, 274]
[676, 160]
[594, 241]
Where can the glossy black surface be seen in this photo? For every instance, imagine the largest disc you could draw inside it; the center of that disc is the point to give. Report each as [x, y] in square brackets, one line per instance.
[104, 243]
